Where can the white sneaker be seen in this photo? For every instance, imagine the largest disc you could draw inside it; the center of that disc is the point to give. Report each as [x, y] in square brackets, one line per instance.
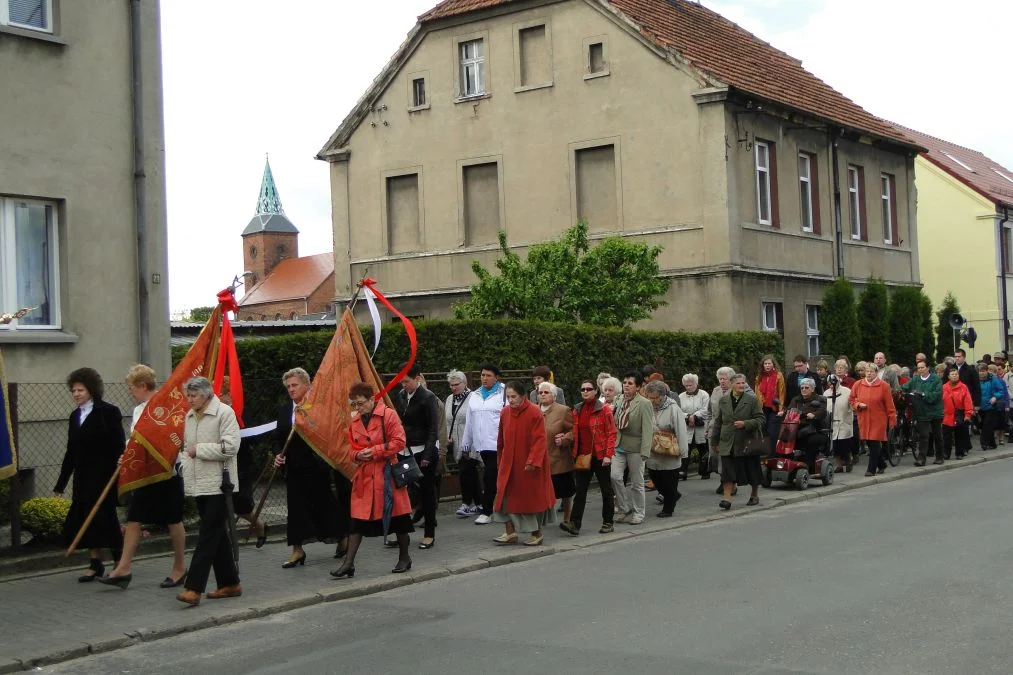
[483, 520]
[463, 511]
[474, 510]
[636, 520]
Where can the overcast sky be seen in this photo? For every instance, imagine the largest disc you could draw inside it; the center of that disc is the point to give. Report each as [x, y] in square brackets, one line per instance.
[243, 79]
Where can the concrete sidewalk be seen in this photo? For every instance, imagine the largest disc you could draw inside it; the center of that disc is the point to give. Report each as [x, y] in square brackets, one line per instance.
[49, 617]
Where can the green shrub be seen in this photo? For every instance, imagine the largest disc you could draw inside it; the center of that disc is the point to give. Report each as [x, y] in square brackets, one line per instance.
[873, 319]
[189, 509]
[44, 516]
[5, 501]
[839, 321]
[572, 351]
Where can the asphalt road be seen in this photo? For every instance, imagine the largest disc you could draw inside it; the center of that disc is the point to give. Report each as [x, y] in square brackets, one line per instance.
[907, 577]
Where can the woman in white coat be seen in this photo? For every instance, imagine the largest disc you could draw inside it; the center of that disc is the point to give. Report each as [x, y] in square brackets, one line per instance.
[210, 446]
[481, 432]
[843, 432]
[695, 405]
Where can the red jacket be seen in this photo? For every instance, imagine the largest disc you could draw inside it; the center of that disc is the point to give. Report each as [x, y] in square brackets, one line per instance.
[956, 397]
[367, 484]
[521, 442]
[603, 432]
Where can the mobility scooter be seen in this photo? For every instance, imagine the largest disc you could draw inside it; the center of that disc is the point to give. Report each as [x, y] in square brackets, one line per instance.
[788, 464]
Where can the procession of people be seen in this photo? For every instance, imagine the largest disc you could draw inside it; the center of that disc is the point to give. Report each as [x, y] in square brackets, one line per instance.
[519, 452]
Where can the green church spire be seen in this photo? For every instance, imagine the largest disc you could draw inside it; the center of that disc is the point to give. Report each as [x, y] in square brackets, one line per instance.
[268, 203]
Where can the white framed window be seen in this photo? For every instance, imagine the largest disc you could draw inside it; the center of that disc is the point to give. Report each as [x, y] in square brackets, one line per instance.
[763, 207]
[28, 14]
[419, 98]
[773, 317]
[854, 201]
[812, 329]
[29, 262]
[805, 188]
[886, 181]
[471, 58]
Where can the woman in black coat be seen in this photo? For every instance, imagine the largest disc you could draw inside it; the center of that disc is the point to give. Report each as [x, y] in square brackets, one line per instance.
[95, 441]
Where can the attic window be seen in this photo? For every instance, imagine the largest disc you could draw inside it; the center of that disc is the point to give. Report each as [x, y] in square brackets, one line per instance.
[959, 162]
[1000, 173]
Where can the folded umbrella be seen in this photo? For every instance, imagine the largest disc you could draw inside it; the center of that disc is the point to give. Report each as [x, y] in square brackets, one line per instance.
[227, 489]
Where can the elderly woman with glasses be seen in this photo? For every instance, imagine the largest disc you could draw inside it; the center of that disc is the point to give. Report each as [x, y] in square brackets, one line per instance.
[695, 405]
[468, 463]
[812, 408]
[210, 446]
[663, 467]
[739, 417]
[558, 427]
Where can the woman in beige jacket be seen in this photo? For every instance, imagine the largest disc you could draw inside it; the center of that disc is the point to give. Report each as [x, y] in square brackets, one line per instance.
[210, 445]
[558, 437]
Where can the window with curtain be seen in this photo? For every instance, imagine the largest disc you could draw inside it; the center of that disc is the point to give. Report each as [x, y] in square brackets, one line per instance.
[28, 261]
[34, 14]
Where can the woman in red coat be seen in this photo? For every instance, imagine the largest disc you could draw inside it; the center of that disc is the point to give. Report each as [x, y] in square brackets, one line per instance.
[872, 400]
[376, 436]
[958, 408]
[524, 494]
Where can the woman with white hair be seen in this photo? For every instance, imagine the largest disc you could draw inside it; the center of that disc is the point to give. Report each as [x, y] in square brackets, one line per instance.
[468, 464]
[724, 375]
[210, 446]
[664, 467]
[558, 431]
[610, 388]
[695, 405]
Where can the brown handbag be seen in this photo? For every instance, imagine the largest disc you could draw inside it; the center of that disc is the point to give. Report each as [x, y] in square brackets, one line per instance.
[582, 462]
[665, 443]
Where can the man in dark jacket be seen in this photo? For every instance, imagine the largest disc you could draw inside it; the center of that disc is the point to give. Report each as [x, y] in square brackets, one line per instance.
[418, 409]
[792, 380]
[968, 375]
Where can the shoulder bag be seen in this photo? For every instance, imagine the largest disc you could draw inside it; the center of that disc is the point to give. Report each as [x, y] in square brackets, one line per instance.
[756, 445]
[403, 470]
[665, 442]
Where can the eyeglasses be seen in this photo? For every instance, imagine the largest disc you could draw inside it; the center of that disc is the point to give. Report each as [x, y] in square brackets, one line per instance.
[587, 388]
[359, 404]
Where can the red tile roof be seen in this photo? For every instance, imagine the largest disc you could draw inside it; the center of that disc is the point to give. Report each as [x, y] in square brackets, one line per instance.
[292, 279]
[720, 48]
[981, 174]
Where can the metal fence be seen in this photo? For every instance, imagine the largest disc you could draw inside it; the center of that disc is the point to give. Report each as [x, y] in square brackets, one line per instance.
[40, 414]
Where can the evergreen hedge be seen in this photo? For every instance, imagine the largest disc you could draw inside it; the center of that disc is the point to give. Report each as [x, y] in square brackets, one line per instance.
[573, 352]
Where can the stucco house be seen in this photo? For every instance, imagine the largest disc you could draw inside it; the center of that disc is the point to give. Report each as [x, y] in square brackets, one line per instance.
[659, 121]
[965, 247]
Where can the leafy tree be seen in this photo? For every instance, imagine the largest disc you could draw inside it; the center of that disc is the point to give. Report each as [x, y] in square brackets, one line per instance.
[906, 324]
[839, 320]
[613, 284]
[944, 334]
[200, 314]
[873, 315]
[927, 328]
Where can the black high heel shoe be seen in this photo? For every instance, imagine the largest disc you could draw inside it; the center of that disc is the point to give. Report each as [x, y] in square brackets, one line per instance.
[401, 568]
[120, 582]
[262, 539]
[95, 566]
[344, 571]
[289, 564]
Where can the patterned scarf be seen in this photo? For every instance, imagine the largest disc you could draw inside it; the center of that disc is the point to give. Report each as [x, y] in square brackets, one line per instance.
[459, 399]
[623, 412]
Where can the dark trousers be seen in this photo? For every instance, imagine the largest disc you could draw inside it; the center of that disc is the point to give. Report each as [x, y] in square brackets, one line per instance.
[929, 438]
[813, 444]
[471, 483]
[772, 427]
[990, 420]
[491, 473]
[426, 490]
[667, 483]
[876, 459]
[213, 547]
[343, 488]
[608, 505]
[958, 436]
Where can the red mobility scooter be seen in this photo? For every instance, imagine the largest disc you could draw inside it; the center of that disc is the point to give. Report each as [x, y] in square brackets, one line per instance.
[788, 464]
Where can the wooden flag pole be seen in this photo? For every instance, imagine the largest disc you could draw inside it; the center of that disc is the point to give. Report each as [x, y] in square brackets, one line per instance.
[267, 465]
[94, 510]
[270, 477]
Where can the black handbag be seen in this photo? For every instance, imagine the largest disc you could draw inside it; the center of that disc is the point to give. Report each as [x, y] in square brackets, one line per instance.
[755, 445]
[404, 470]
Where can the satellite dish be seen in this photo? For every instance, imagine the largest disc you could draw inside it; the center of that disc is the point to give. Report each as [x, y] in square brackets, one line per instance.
[957, 321]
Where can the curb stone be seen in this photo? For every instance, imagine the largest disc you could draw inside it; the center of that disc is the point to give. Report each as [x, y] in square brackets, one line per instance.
[466, 566]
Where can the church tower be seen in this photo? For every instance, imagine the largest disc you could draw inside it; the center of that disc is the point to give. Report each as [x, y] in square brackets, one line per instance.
[270, 237]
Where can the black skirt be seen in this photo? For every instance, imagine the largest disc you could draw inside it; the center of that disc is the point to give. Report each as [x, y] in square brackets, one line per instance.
[312, 508]
[160, 503]
[741, 470]
[374, 528]
[104, 531]
[563, 485]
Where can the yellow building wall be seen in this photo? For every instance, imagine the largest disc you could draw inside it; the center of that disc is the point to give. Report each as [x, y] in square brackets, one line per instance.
[957, 250]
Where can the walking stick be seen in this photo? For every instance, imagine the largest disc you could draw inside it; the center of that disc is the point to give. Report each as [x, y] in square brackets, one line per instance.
[94, 510]
[270, 477]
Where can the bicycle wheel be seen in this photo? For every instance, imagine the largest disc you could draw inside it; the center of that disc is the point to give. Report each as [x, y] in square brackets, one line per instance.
[893, 445]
